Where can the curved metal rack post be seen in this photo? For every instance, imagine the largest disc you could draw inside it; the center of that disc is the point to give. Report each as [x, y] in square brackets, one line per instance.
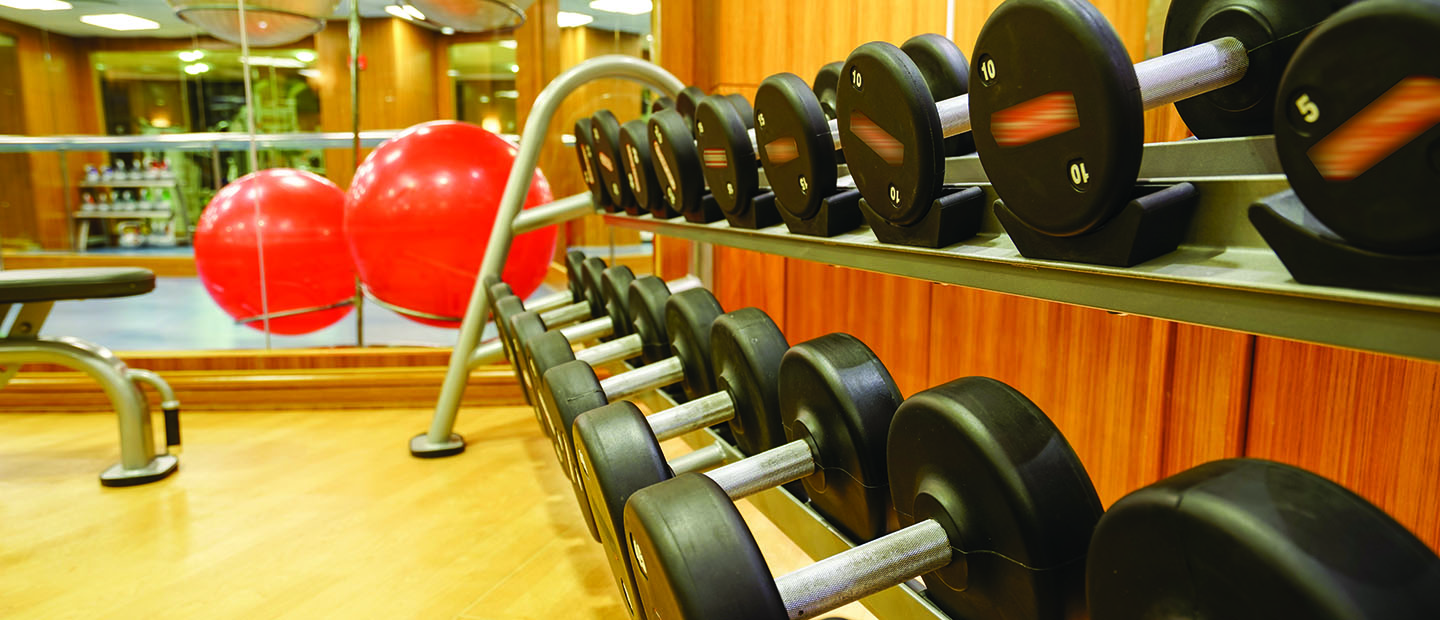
[441, 440]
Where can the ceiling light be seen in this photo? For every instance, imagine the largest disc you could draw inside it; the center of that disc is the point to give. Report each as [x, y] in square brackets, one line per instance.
[447, 30]
[474, 15]
[313, 74]
[507, 94]
[566, 19]
[197, 68]
[271, 61]
[397, 12]
[268, 23]
[36, 5]
[628, 7]
[414, 12]
[305, 56]
[514, 68]
[191, 55]
[120, 21]
[453, 73]
[509, 44]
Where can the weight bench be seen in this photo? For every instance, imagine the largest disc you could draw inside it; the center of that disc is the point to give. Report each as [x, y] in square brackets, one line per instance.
[32, 292]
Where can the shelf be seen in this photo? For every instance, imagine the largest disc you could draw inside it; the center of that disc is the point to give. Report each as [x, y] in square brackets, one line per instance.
[1223, 275]
[170, 182]
[806, 528]
[123, 215]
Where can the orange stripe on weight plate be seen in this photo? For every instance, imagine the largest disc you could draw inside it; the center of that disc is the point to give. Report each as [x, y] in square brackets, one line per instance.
[885, 145]
[1034, 120]
[1393, 120]
[782, 151]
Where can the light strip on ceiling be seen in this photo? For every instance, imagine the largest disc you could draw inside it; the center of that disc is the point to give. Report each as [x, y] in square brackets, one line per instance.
[626, 7]
[120, 21]
[36, 5]
[566, 19]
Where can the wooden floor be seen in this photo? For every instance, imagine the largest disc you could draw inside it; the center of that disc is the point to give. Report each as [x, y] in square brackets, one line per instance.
[304, 514]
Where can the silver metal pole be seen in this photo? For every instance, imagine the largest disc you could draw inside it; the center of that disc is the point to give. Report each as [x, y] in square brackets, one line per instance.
[487, 353]
[702, 459]
[440, 438]
[589, 330]
[643, 379]
[565, 315]
[1195, 70]
[558, 212]
[613, 351]
[766, 470]
[702, 412]
[851, 575]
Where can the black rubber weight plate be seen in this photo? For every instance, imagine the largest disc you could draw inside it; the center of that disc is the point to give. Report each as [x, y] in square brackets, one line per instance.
[616, 454]
[615, 286]
[648, 295]
[840, 397]
[1247, 539]
[827, 80]
[590, 270]
[988, 465]
[506, 309]
[890, 131]
[663, 103]
[947, 74]
[677, 162]
[585, 152]
[1270, 29]
[570, 390]
[1363, 151]
[686, 103]
[547, 351]
[574, 259]
[1057, 114]
[526, 326]
[688, 317]
[694, 557]
[746, 347]
[742, 108]
[639, 169]
[728, 160]
[605, 132]
[796, 147]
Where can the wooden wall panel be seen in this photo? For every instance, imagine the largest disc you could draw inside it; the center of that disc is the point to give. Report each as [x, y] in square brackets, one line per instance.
[751, 279]
[1099, 376]
[1370, 422]
[887, 313]
[1208, 406]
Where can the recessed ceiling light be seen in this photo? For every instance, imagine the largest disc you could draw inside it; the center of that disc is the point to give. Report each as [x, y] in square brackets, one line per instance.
[120, 21]
[197, 68]
[447, 30]
[509, 44]
[514, 68]
[36, 5]
[191, 55]
[566, 19]
[628, 7]
[414, 12]
[272, 61]
[397, 12]
[305, 56]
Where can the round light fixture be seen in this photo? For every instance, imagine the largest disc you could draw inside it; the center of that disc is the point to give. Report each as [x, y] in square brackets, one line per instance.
[267, 22]
[474, 15]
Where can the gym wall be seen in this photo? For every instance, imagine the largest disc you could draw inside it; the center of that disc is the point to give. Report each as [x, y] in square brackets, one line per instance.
[1138, 398]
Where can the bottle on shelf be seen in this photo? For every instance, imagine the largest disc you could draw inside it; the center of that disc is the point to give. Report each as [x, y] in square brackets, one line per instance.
[108, 174]
[103, 202]
[92, 174]
[87, 202]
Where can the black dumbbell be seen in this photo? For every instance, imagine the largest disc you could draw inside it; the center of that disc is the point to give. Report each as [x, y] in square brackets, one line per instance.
[630, 189]
[573, 388]
[1356, 126]
[590, 166]
[617, 448]
[799, 140]
[646, 341]
[836, 404]
[1247, 539]
[574, 274]
[996, 507]
[679, 179]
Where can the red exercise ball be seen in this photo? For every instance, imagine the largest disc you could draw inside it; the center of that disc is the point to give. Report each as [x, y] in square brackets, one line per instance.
[419, 212]
[300, 218]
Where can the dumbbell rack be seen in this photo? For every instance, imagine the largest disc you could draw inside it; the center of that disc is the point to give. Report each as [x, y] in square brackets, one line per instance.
[1223, 275]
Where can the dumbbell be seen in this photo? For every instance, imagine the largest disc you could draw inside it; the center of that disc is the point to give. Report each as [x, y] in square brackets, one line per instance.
[717, 149]
[800, 141]
[572, 388]
[630, 189]
[617, 448]
[590, 166]
[1356, 125]
[1053, 93]
[1248, 539]
[575, 294]
[836, 405]
[647, 337]
[667, 184]
[996, 507]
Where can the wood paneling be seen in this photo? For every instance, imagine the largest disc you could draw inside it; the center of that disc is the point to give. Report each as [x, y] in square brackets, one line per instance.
[885, 312]
[762, 284]
[164, 266]
[1370, 422]
[1100, 376]
[1208, 406]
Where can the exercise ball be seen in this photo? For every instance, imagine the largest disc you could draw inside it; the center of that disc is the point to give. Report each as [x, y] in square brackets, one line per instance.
[300, 217]
[418, 217]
